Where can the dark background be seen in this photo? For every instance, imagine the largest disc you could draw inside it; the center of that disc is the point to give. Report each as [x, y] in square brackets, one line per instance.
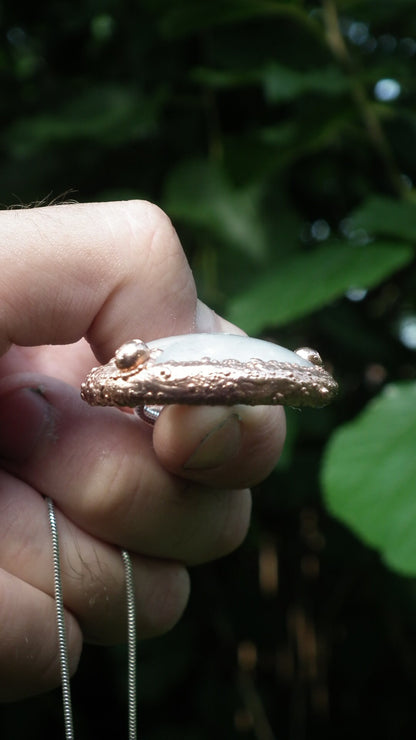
[256, 125]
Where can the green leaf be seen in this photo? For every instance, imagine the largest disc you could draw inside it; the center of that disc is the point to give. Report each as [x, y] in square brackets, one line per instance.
[309, 280]
[199, 194]
[284, 83]
[386, 217]
[107, 114]
[280, 83]
[369, 475]
[224, 78]
[188, 16]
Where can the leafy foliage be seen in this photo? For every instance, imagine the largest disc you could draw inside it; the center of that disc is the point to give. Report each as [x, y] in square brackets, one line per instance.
[385, 216]
[374, 492]
[280, 136]
[287, 294]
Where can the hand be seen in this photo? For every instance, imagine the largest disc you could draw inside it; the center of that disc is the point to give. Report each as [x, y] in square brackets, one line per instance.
[84, 279]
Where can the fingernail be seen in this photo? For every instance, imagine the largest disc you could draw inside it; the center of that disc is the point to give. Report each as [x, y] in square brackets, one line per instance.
[218, 446]
[25, 415]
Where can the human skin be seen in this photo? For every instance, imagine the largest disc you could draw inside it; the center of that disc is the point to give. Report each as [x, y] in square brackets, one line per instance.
[76, 281]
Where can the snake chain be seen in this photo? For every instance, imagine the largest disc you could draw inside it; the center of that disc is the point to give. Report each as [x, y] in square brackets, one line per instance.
[131, 645]
[60, 622]
[63, 648]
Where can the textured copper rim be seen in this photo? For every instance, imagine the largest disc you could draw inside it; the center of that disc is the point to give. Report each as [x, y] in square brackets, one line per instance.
[209, 382]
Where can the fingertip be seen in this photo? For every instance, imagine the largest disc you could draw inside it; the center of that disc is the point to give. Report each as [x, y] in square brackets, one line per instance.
[166, 599]
[234, 446]
[208, 321]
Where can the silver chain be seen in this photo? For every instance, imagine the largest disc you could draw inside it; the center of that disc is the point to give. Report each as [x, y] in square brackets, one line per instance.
[60, 621]
[131, 645]
[63, 648]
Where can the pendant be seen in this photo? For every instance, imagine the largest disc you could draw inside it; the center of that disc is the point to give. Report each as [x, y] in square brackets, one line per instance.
[209, 369]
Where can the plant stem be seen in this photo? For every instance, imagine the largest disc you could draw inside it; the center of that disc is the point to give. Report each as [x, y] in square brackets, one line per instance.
[368, 114]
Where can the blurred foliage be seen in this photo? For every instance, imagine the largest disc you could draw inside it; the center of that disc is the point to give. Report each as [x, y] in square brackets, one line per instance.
[281, 139]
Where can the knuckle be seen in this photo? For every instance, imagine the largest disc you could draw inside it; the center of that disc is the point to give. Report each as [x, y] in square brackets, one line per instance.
[161, 256]
[148, 221]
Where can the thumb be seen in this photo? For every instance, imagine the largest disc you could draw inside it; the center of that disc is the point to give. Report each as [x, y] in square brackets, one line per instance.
[108, 271]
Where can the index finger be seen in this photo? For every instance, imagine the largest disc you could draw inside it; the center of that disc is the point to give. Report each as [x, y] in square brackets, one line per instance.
[107, 271]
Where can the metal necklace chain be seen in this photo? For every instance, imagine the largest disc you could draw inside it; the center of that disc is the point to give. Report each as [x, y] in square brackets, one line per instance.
[131, 646]
[63, 648]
